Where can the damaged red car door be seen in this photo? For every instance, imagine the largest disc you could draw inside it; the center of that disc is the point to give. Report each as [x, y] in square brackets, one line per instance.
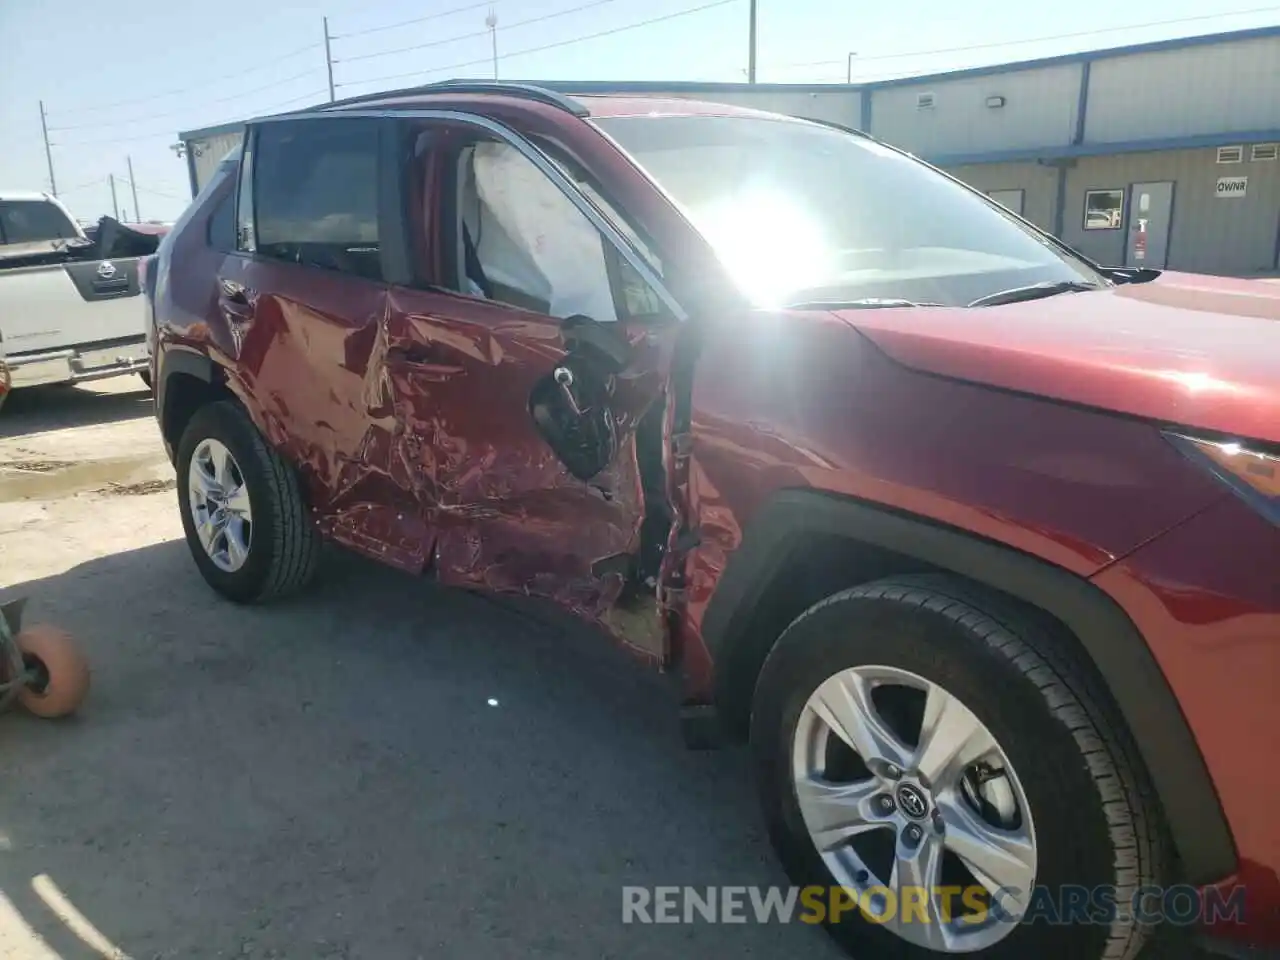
[519, 375]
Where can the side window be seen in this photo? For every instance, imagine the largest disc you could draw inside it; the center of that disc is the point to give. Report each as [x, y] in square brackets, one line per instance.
[315, 194]
[26, 221]
[574, 172]
[523, 242]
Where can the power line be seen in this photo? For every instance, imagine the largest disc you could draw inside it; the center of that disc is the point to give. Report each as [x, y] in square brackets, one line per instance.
[1009, 43]
[271, 62]
[547, 46]
[94, 143]
[158, 193]
[312, 95]
[478, 33]
[405, 23]
[170, 113]
[81, 186]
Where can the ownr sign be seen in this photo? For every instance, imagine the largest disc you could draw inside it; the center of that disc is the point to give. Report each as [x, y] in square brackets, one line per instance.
[1231, 187]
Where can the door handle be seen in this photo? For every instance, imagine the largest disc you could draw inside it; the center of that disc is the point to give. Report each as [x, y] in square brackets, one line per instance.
[233, 292]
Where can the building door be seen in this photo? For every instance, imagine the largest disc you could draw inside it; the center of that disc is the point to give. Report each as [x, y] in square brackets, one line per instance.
[1150, 212]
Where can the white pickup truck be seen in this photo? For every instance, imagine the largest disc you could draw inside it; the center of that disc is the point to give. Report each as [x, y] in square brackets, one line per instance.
[69, 308]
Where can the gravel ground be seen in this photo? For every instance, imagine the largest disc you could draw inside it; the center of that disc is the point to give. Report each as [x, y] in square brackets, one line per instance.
[380, 769]
[326, 777]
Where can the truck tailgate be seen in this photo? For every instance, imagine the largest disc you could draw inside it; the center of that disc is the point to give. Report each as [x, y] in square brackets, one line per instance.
[60, 305]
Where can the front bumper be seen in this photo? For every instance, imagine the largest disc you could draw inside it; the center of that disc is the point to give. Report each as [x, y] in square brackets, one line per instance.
[79, 364]
[1207, 598]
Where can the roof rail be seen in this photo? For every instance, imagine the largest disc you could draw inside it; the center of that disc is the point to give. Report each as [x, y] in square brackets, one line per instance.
[526, 91]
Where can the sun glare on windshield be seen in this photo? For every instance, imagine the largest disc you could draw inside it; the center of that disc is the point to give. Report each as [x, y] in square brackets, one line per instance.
[800, 212]
[769, 243]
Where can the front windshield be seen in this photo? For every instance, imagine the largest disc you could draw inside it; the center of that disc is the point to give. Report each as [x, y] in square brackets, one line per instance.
[801, 213]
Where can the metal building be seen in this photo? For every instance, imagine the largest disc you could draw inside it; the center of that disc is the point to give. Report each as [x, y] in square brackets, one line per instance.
[1160, 154]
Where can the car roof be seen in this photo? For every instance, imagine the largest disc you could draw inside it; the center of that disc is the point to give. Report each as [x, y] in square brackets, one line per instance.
[23, 195]
[622, 105]
[595, 105]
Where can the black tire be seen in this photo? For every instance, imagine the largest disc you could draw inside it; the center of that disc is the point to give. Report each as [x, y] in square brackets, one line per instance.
[1096, 823]
[285, 545]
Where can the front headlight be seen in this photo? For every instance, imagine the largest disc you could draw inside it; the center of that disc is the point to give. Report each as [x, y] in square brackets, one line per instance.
[1252, 473]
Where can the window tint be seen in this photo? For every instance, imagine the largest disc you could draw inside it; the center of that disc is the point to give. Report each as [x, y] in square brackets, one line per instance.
[222, 231]
[26, 221]
[523, 242]
[315, 194]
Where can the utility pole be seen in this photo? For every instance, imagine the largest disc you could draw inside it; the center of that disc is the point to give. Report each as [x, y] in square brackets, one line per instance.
[491, 21]
[328, 57]
[133, 185]
[751, 55]
[48, 154]
[115, 207]
[849, 73]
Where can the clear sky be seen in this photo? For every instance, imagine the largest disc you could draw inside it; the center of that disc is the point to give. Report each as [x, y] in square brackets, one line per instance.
[120, 80]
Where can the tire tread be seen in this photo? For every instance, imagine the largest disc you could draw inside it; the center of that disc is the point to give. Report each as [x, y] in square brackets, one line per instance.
[1072, 696]
[295, 542]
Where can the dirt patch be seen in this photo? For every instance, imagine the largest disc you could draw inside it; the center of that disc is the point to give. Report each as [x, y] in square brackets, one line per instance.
[138, 489]
[36, 466]
[65, 479]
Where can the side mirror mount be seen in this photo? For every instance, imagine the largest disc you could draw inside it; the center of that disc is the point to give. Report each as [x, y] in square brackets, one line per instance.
[598, 344]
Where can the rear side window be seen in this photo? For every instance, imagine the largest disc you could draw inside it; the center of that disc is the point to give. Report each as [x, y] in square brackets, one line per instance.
[26, 221]
[315, 194]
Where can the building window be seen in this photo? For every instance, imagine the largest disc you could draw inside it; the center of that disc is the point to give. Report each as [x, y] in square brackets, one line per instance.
[1231, 154]
[1009, 199]
[1265, 151]
[1103, 209]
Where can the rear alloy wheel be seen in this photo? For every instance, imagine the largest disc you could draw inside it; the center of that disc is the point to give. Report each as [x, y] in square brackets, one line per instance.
[247, 527]
[939, 756]
[220, 505]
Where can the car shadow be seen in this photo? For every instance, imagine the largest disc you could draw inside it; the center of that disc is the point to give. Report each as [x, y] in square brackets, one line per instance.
[37, 409]
[381, 768]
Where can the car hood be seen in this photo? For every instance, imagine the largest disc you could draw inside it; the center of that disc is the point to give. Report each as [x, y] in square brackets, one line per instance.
[1197, 351]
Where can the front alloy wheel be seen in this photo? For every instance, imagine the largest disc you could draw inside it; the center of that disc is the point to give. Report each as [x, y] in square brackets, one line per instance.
[942, 764]
[916, 810]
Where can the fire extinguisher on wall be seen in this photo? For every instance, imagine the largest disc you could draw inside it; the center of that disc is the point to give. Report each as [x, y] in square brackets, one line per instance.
[1140, 241]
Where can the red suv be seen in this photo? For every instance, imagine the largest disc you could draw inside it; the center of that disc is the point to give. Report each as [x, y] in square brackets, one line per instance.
[975, 541]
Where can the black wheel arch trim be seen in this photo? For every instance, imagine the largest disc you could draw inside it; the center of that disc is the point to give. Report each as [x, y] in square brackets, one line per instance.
[170, 362]
[1164, 740]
